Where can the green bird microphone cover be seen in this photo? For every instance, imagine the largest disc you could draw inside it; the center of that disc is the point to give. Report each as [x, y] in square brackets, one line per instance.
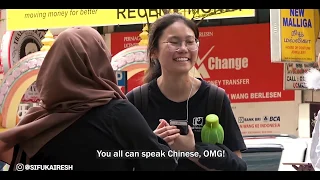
[212, 132]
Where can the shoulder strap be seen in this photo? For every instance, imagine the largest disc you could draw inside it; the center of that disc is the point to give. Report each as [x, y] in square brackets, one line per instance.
[215, 100]
[140, 95]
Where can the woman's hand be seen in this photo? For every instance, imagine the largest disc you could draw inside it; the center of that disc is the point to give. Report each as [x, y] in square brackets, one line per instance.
[184, 142]
[307, 167]
[167, 132]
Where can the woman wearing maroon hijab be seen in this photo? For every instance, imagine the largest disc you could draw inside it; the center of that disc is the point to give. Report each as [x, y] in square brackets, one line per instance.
[82, 112]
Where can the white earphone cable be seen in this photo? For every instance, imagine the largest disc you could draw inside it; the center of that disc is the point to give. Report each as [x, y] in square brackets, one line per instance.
[187, 106]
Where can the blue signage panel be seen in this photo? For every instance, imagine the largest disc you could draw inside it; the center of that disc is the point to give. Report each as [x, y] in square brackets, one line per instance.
[121, 78]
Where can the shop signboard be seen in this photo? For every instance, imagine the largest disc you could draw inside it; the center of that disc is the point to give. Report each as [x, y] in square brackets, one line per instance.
[294, 75]
[267, 118]
[30, 19]
[229, 58]
[294, 33]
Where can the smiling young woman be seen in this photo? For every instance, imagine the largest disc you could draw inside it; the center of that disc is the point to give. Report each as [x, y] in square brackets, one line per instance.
[175, 95]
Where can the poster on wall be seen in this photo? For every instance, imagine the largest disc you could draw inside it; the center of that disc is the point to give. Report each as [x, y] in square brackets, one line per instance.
[267, 118]
[236, 58]
[14, 46]
[124, 40]
[294, 75]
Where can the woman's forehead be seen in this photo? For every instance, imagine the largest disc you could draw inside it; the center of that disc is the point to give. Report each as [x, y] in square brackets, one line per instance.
[178, 30]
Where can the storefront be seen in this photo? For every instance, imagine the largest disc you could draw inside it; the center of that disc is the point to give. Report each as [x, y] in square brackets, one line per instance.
[259, 86]
[295, 43]
[25, 31]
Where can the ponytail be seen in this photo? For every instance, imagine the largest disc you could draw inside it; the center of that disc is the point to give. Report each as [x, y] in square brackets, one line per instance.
[153, 72]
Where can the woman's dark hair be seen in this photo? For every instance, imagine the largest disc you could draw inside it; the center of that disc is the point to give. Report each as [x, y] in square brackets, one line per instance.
[155, 32]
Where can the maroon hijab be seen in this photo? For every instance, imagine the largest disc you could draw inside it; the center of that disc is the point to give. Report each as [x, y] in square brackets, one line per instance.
[76, 75]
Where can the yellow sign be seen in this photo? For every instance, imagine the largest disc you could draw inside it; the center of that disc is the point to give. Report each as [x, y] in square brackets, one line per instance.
[30, 19]
[293, 36]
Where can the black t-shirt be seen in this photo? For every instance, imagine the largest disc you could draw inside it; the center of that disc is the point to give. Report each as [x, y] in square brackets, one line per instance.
[117, 125]
[160, 107]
